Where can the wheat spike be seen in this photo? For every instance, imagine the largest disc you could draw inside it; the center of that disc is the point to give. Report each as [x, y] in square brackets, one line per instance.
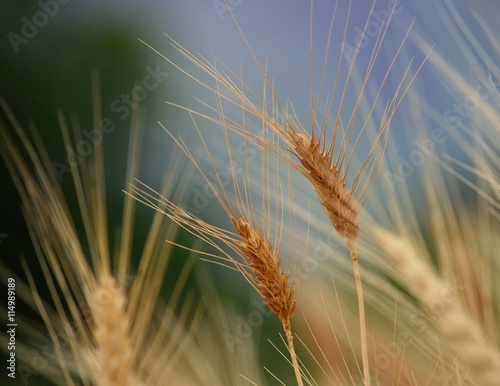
[261, 265]
[112, 334]
[266, 266]
[272, 282]
[338, 201]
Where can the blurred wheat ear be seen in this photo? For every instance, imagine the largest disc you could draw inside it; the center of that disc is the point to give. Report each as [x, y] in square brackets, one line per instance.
[460, 329]
[111, 319]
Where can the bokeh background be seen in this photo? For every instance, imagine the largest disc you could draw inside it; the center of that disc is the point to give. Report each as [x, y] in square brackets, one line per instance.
[49, 50]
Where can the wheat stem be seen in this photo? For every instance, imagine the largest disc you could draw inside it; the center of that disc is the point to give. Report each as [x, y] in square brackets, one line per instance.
[291, 348]
[352, 245]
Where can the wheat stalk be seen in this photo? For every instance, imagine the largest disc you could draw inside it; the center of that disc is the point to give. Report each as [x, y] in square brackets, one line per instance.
[102, 325]
[338, 201]
[261, 265]
[460, 329]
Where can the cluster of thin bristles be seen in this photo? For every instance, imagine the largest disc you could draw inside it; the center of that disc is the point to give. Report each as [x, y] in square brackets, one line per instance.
[258, 256]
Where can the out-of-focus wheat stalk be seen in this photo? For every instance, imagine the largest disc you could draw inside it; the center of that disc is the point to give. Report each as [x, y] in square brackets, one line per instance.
[451, 319]
[104, 319]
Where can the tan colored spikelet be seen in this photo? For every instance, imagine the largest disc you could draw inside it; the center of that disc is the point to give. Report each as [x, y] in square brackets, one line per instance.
[112, 335]
[451, 319]
[338, 201]
[266, 266]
